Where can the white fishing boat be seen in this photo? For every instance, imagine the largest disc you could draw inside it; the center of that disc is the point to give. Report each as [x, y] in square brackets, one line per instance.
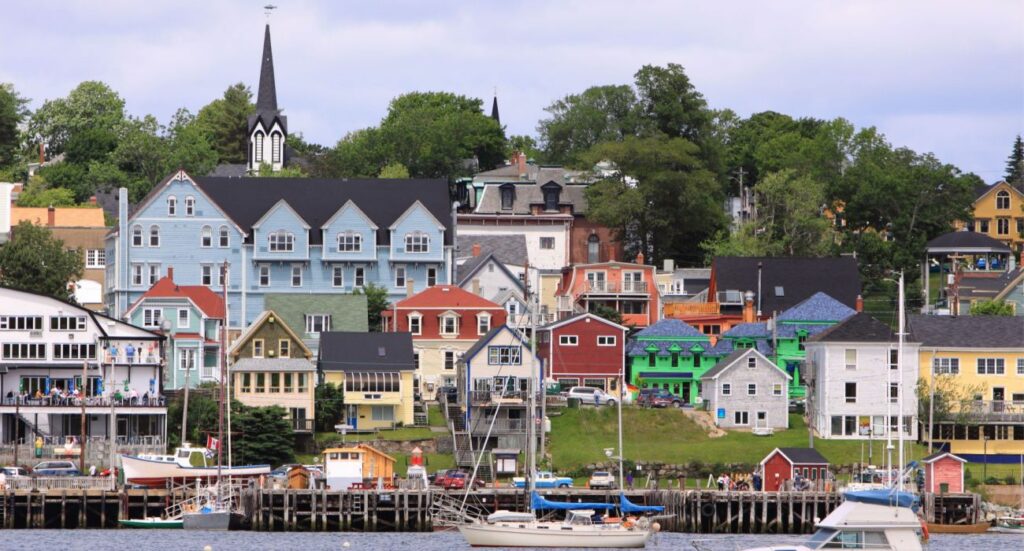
[187, 464]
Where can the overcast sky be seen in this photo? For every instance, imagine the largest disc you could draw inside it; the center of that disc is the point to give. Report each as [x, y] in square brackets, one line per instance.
[945, 77]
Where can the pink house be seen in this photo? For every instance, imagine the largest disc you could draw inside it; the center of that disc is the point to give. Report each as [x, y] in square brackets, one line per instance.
[944, 473]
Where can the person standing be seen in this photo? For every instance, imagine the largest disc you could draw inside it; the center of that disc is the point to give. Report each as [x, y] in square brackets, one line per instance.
[629, 479]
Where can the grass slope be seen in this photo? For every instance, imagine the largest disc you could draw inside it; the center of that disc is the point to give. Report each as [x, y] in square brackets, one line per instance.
[578, 437]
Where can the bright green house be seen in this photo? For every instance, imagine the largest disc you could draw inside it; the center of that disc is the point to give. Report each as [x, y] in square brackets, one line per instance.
[671, 355]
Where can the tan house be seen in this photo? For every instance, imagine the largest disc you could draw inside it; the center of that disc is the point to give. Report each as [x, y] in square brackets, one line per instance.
[271, 366]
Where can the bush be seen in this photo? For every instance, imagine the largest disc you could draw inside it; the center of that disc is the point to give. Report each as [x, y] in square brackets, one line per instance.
[993, 480]
[1010, 480]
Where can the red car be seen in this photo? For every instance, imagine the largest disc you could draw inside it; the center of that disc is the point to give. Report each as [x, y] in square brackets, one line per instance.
[457, 481]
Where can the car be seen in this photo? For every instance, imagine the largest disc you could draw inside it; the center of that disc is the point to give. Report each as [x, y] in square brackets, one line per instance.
[545, 479]
[660, 398]
[797, 405]
[438, 478]
[14, 472]
[447, 393]
[602, 479]
[591, 396]
[457, 481]
[56, 468]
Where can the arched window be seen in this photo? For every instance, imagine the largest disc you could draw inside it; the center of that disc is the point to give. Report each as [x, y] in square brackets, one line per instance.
[1003, 200]
[417, 242]
[225, 238]
[275, 147]
[190, 206]
[593, 248]
[281, 241]
[350, 242]
[136, 236]
[172, 206]
[257, 143]
[154, 236]
[206, 237]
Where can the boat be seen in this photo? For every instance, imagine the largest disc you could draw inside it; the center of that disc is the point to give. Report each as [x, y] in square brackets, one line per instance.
[975, 528]
[151, 522]
[187, 464]
[211, 517]
[1009, 525]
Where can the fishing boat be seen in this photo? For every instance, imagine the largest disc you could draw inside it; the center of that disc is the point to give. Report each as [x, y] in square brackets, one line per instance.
[187, 464]
[975, 528]
[1009, 525]
[151, 522]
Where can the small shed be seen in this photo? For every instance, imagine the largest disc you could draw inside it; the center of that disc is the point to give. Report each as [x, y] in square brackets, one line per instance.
[346, 466]
[784, 464]
[944, 473]
[506, 461]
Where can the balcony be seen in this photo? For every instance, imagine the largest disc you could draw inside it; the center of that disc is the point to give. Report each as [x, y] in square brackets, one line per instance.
[480, 426]
[730, 298]
[487, 397]
[614, 288]
[302, 425]
[692, 308]
[993, 410]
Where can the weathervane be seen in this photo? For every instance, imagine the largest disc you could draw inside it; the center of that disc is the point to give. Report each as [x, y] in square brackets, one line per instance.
[268, 9]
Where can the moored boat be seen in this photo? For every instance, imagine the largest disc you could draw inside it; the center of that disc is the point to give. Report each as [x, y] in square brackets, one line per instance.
[976, 528]
[151, 522]
[1009, 525]
[157, 470]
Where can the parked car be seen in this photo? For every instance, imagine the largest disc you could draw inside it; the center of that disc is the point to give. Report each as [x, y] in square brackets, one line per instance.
[545, 479]
[56, 468]
[439, 477]
[591, 396]
[458, 481]
[602, 479]
[15, 472]
[659, 398]
[447, 393]
[797, 405]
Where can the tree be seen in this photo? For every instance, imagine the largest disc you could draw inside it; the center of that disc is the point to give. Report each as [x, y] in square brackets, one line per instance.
[668, 99]
[34, 261]
[376, 302]
[91, 105]
[1015, 162]
[38, 194]
[329, 403]
[140, 153]
[360, 154]
[202, 415]
[225, 121]
[267, 171]
[606, 312]
[189, 147]
[579, 122]
[261, 435]
[526, 145]
[954, 401]
[394, 170]
[13, 111]
[992, 308]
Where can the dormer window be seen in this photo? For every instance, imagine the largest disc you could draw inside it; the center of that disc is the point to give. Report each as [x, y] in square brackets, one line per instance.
[1003, 200]
[508, 195]
[190, 206]
[258, 147]
[415, 324]
[417, 242]
[172, 206]
[483, 323]
[350, 242]
[450, 324]
[551, 197]
[281, 241]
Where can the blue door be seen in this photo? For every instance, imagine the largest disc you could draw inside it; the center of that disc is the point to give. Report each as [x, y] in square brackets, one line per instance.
[353, 416]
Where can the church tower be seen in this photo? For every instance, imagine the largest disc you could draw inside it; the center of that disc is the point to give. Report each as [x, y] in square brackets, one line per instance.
[268, 128]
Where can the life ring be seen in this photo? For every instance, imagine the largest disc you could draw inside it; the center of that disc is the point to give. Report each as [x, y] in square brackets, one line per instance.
[708, 509]
[628, 524]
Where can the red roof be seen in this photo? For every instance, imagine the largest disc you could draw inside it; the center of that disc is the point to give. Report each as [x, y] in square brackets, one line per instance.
[445, 296]
[206, 300]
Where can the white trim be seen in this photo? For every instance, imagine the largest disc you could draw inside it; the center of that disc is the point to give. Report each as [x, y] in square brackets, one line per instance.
[359, 211]
[274, 208]
[408, 211]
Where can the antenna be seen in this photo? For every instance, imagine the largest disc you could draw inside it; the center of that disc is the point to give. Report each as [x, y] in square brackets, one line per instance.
[268, 9]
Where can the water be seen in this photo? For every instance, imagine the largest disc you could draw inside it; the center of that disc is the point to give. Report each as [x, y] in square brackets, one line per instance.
[175, 540]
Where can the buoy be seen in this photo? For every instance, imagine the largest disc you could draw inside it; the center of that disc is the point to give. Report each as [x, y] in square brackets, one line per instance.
[656, 527]
[346, 544]
[208, 548]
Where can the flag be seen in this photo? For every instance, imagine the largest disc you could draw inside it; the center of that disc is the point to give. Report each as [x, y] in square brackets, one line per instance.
[212, 444]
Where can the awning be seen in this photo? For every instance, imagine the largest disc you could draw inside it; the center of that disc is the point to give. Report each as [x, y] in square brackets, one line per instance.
[665, 375]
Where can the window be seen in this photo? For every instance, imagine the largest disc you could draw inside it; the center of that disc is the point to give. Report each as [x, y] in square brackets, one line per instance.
[633, 282]
[281, 241]
[399, 276]
[606, 340]
[154, 236]
[633, 307]
[382, 413]
[296, 275]
[504, 355]
[318, 323]
[983, 226]
[95, 258]
[415, 324]
[431, 277]
[154, 273]
[712, 329]
[258, 147]
[894, 392]
[222, 274]
[990, 366]
[726, 389]
[696, 359]
[184, 319]
[751, 362]
[1003, 200]
[651, 359]
[593, 249]
[275, 147]
[67, 323]
[894, 359]
[172, 206]
[261, 382]
[851, 358]
[512, 307]
[946, 366]
[417, 242]
[284, 348]
[741, 418]
[136, 274]
[508, 194]
[1003, 226]
[275, 382]
[547, 243]
[246, 382]
[224, 237]
[302, 383]
[568, 340]
[288, 379]
[151, 317]
[257, 348]
[777, 389]
[360, 277]
[449, 360]
[350, 242]
[675, 359]
[206, 274]
[21, 323]
[1020, 366]
[483, 323]
[751, 389]
[449, 325]
[24, 351]
[338, 276]
[136, 236]
[190, 206]
[551, 199]
[851, 393]
[264, 275]
[187, 358]
[77, 351]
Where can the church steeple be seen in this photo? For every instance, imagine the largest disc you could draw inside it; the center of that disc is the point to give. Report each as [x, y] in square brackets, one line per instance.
[268, 128]
[494, 109]
[266, 95]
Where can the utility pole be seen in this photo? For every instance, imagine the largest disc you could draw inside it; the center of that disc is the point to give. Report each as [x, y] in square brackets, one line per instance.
[81, 447]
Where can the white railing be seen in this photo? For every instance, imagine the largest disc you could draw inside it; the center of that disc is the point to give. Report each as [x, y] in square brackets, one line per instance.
[61, 483]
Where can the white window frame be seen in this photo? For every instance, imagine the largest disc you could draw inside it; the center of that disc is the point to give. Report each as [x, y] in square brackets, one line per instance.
[172, 206]
[223, 275]
[188, 318]
[263, 276]
[946, 366]
[137, 237]
[1020, 366]
[311, 323]
[777, 389]
[151, 317]
[95, 258]
[415, 322]
[444, 325]
[154, 236]
[206, 274]
[481, 327]
[846, 394]
[258, 146]
[846, 358]
[350, 242]
[751, 389]
[726, 389]
[449, 359]
[137, 274]
[296, 275]
[568, 340]
[281, 241]
[550, 240]
[992, 366]
[258, 348]
[284, 348]
[337, 276]
[417, 243]
[741, 418]
[359, 277]
[275, 147]
[606, 340]
[400, 276]
[431, 277]
[224, 237]
[206, 237]
[751, 362]
[190, 206]
[154, 273]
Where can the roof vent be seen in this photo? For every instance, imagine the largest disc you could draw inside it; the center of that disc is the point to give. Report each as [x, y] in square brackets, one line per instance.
[381, 351]
[779, 291]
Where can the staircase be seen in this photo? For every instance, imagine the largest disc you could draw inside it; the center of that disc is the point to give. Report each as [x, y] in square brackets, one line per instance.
[419, 414]
[42, 429]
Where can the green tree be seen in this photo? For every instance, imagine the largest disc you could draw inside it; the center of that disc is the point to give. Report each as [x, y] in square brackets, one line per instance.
[579, 122]
[140, 153]
[189, 147]
[394, 170]
[992, 308]
[606, 312]
[38, 194]
[267, 171]
[360, 154]
[1014, 163]
[261, 435]
[13, 111]
[35, 261]
[376, 302]
[524, 144]
[671, 103]
[91, 105]
[91, 144]
[202, 415]
[329, 405]
[225, 121]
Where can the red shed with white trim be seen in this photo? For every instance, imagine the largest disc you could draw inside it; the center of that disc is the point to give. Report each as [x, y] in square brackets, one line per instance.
[784, 463]
[944, 473]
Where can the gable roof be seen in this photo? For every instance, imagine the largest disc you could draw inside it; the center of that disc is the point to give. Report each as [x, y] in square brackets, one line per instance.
[965, 241]
[509, 249]
[450, 297]
[670, 327]
[475, 264]
[210, 303]
[316, 200]
[983, 189]
[800, 456]
[484, 340]
[939, 455]
[351, 351]
[732, 359]
[63, 217]
[349, 205]
[280, 204]
[111, 329]
[860, 327]
[799, 278]
[581, 317]
[990, 285]
[818, 307]
[967, 331]
[258, 323]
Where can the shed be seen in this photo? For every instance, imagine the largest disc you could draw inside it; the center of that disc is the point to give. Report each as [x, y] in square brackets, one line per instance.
[944, 473]
[506, 461]
[346, 466]
[783, 464]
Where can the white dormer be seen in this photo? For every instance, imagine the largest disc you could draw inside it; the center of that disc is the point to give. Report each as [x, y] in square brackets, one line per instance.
[266, 145]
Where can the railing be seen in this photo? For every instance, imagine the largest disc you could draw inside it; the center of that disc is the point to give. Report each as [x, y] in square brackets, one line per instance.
[639, 287]
[478, 397]
[135, 359]
[69, 401]
[482, 425]
[302, 425]
[691, 308]
[993, 410]
[61, 483]
[731, 298]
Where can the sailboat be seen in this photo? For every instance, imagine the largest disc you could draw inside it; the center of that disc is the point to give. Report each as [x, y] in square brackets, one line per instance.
[1013, 524]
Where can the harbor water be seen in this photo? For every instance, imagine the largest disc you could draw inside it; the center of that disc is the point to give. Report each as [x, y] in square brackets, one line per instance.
[178, 540]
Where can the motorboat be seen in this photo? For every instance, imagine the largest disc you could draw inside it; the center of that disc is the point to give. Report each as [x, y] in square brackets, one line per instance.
[151, 522]
[187, 464]
[883, 520]
[1009, 525]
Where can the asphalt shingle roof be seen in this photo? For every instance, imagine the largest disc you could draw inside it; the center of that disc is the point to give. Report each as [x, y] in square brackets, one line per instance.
[858, 328]
[799, 279]
[967, 331]
[670, 328]
[966, 241]
[509, 249]
[350, 351]
[803, 456]
[818, 307]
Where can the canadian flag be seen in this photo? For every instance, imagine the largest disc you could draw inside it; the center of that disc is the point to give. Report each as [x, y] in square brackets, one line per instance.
[212, 443]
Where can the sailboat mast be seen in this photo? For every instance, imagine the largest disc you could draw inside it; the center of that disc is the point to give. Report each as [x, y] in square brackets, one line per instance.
[622, 394]
[899, 378]
[531, 429]
[223, 377]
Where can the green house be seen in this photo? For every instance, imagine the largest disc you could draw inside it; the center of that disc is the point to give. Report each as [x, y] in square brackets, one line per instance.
[671, 355]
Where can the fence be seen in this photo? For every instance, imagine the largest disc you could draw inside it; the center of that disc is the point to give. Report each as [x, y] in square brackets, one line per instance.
[61, 483]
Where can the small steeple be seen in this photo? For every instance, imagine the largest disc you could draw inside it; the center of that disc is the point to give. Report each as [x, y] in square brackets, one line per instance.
[266, 95]
[494, 108]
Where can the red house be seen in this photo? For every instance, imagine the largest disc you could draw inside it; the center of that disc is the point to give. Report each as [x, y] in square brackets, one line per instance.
[944, 473]
[629, 288]
[584, 350]
[784, 463]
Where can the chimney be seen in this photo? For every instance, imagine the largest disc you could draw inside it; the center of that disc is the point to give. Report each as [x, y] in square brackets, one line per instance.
[92, 199]
[475, 287]
[640, 258]
[748, 307]
[409, 287]
[859, 305]
[476, 249]
[611, 254]
[51, 216]
[521, 163]
[670, 265]
[170, 273]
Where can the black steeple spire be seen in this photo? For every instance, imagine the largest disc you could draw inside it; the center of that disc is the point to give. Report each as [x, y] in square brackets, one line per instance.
[266, 96]
[494, 109]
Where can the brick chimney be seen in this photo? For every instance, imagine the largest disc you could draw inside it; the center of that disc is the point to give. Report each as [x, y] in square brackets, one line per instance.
[521, 163]
[748, 307]
[170, 273]
[51, 216]
[859, 305]
[640, 258]
[476, 249]
[92, 199]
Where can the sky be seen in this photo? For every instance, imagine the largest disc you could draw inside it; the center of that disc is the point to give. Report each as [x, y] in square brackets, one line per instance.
[945, 77]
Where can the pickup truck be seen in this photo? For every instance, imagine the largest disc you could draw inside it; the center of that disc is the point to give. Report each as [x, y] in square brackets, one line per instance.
[544, 480]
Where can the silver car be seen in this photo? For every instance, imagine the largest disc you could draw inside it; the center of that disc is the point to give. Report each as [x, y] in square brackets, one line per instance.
[591, 396]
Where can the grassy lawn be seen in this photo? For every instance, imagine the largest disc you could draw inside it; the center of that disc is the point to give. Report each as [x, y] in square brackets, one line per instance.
[435, 417]
[1000, 471]
[433, 461]
[579, 437]
[401, 434]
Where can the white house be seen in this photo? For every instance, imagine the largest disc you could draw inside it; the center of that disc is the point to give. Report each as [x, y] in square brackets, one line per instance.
[747, 390]
[855, 381]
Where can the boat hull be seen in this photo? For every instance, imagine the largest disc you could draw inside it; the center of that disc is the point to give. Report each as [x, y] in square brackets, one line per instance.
[151, 523]
[213, 520]
[979, 528]
[156, 474]
[493, 535]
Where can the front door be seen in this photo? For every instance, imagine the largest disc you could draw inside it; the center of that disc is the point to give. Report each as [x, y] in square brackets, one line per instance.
[686, 392]
[352, 413]
[762, 420]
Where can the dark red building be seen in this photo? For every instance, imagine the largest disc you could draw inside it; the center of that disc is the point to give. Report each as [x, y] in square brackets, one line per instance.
[584, 350]
[784, 463]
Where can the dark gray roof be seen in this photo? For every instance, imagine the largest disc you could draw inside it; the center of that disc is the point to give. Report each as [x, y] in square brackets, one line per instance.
[246, 200]
[859, 328]
[967, 331]
[982, 285]
[725, 362]
[494, 111]
[356, 351]
[509, 249]
[528, 192]
[798, 277]
[804, 456]
[107, 200]
[471, 266]
[966, 241]
[266, 94]
[230, 170]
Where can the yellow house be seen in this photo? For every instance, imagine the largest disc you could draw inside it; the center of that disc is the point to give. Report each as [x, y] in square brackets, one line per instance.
[375, 371]
[999, 213]
[976, 364]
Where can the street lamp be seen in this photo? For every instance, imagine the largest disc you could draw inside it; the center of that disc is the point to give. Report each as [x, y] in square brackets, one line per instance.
[984, 472]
